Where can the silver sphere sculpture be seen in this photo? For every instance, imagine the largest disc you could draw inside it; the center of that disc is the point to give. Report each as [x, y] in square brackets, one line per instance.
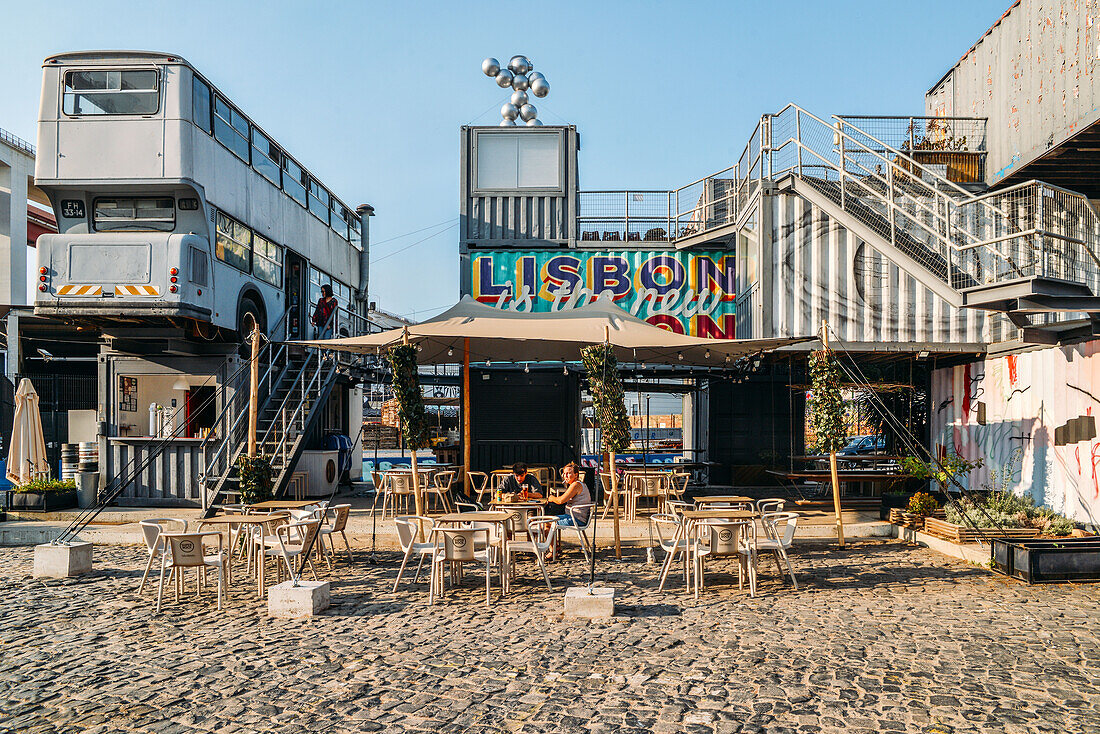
[528, 112]
[507, 123]
[534, 122]
[519, 98]
[520, 65]
[520, 83]
[504, 79]
[509, 111]
[490, 67]
[536, 75]
[540, 87]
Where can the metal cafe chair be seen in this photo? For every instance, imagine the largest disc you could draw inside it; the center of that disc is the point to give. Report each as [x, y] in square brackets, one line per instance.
[455, 546]
[778, 542]
[408, 526]
[541, 533]
[151, 531]
[479, 480]
[188, 550]
[718, 538]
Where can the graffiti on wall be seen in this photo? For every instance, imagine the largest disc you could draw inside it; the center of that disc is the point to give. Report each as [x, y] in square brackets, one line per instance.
[1031, 418]
[686, 292]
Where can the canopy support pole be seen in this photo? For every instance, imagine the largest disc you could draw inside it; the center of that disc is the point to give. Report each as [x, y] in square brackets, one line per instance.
[466, 448]
[614, 476]
[254, 390]
[417, 495]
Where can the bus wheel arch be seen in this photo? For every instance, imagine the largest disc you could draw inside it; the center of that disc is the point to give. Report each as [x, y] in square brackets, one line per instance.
[250, 310]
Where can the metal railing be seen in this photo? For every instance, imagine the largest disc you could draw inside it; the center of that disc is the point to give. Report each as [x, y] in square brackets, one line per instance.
[17, 142]
[618, 217]
[961, 239]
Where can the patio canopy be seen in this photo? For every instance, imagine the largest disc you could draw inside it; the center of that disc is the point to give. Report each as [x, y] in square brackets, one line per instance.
[27, 450]
[510, 336]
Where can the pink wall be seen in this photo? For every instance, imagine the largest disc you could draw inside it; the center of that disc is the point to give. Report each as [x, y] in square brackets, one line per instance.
[1025, 399]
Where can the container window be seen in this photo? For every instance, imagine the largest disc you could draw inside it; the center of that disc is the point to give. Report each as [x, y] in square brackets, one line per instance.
[519, 161]
[233, 243]
[135, 214]
[119, 92]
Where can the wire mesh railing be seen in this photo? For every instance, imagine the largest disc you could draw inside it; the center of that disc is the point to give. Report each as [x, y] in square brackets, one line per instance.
[16, 142]
[624, 216]
[886, 178]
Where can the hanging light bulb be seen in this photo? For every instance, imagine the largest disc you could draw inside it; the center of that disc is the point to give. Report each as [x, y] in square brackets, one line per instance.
[706, 355]
[488, 363]
[450, 352]
[680, 356]
[727, 359]
[526, 367]
[564, 368]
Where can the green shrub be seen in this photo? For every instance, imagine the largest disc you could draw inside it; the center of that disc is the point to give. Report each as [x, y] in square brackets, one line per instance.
[1004, 509]
[922, 504]
[256, 478]
[47, 485]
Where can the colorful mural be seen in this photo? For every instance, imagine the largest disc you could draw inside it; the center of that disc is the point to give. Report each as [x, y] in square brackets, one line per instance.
[1032, 419]
[686, 292]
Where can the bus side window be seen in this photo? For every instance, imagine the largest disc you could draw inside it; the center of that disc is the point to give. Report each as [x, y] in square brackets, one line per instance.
[231, 129]
[200, 104]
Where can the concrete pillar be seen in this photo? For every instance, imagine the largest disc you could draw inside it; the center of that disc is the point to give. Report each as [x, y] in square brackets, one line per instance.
[355, 426]
[13, 230]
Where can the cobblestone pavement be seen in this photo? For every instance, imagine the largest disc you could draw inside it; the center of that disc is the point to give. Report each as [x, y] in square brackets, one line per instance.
[880, 638]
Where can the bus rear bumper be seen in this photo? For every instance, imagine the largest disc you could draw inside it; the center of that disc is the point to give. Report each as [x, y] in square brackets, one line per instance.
[77, 308]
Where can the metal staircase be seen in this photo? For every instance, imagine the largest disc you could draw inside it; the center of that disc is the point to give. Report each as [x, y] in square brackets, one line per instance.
[1026, 250]
[295, 384]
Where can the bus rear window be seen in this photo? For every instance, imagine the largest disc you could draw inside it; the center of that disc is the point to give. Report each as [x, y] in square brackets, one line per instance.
[113, 215]
[133, 92]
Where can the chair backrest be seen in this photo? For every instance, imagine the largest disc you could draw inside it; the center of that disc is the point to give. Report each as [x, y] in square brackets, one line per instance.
[665, 526]
[789, 521]
[151, 529]
[299, 515]
[542, 529]
[478, 479]
[521, 516]
[578, 511]
[186, 549]
[458, 543]
[303, 532]
[341, 520]
[408, 526]
[679, 481]
[724, 538]
[444, 479]
[401, 482]
[678, 506]
[772, 504]
[377, 478]
[466, 506]
[649, 485]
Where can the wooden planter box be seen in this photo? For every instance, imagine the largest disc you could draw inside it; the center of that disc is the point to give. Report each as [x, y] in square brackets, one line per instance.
[1048, 561]
[906, 519]
[962, 535]
[41, 501]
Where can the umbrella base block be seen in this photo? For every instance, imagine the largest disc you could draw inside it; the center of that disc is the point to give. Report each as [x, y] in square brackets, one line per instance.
[62, 561]
[307, 599]
[599, 603]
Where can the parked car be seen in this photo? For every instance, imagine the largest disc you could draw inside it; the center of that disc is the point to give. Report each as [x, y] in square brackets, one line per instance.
[859, 445]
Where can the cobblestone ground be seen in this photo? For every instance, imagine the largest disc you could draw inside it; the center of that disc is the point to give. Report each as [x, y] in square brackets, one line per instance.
[879, 638]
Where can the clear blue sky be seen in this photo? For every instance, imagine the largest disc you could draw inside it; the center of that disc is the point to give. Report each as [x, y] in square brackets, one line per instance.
[370, 96]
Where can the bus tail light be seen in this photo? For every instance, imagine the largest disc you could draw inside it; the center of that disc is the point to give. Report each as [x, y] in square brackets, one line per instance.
[42, 278]
[173, 289]
[43, 270]
[173, 271]
[42, 288]
[173, 279]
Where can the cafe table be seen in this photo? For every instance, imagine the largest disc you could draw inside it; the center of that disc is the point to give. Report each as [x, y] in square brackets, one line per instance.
[281, 505]
[233, 521]
[687, 527]
[732, 499]
[498, 517]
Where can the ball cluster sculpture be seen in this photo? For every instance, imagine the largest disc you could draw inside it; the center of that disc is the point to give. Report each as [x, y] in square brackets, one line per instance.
[521, 77]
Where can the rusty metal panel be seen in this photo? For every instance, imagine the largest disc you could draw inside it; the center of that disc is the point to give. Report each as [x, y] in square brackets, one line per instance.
[1035, 74]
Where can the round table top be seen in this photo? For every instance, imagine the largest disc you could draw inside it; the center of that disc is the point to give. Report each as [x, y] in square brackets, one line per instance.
[256, 519]
[483, 516]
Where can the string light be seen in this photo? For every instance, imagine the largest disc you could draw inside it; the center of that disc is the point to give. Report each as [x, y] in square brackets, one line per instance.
[450, 352]
[707, 355]
[680, 356]
[488, 363]
[526, 367]
[564, 368]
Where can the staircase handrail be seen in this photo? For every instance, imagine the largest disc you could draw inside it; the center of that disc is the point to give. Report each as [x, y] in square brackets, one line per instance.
[315, 379]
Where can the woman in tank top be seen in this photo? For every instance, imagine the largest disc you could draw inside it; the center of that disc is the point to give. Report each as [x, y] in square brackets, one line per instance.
[575, 494]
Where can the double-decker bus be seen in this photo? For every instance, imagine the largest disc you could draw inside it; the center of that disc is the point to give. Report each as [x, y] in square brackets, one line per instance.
[173, 206]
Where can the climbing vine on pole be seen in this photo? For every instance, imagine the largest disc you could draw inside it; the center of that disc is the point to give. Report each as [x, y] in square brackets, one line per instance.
[410, 401]
[826, 403]
[608, 398]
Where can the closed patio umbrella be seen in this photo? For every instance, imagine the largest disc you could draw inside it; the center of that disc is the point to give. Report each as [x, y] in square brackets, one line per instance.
[27, 452]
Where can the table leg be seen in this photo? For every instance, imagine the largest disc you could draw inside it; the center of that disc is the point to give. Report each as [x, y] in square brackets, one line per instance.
[670, 557]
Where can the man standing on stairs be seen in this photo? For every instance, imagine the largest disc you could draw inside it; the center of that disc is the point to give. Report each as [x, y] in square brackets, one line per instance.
[322, 314]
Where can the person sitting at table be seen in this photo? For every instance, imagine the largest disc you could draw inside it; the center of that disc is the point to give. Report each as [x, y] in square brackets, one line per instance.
[575, 493]
[520, 480]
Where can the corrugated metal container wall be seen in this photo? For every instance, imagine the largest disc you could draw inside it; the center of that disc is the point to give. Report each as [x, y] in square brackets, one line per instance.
[821, 271]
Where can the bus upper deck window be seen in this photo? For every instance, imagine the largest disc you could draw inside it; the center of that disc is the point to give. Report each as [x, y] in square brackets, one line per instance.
[121, 92]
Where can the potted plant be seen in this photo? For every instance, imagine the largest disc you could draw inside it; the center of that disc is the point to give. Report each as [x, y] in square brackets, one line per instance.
[921, 505]
[44, 495]
[256, 476]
